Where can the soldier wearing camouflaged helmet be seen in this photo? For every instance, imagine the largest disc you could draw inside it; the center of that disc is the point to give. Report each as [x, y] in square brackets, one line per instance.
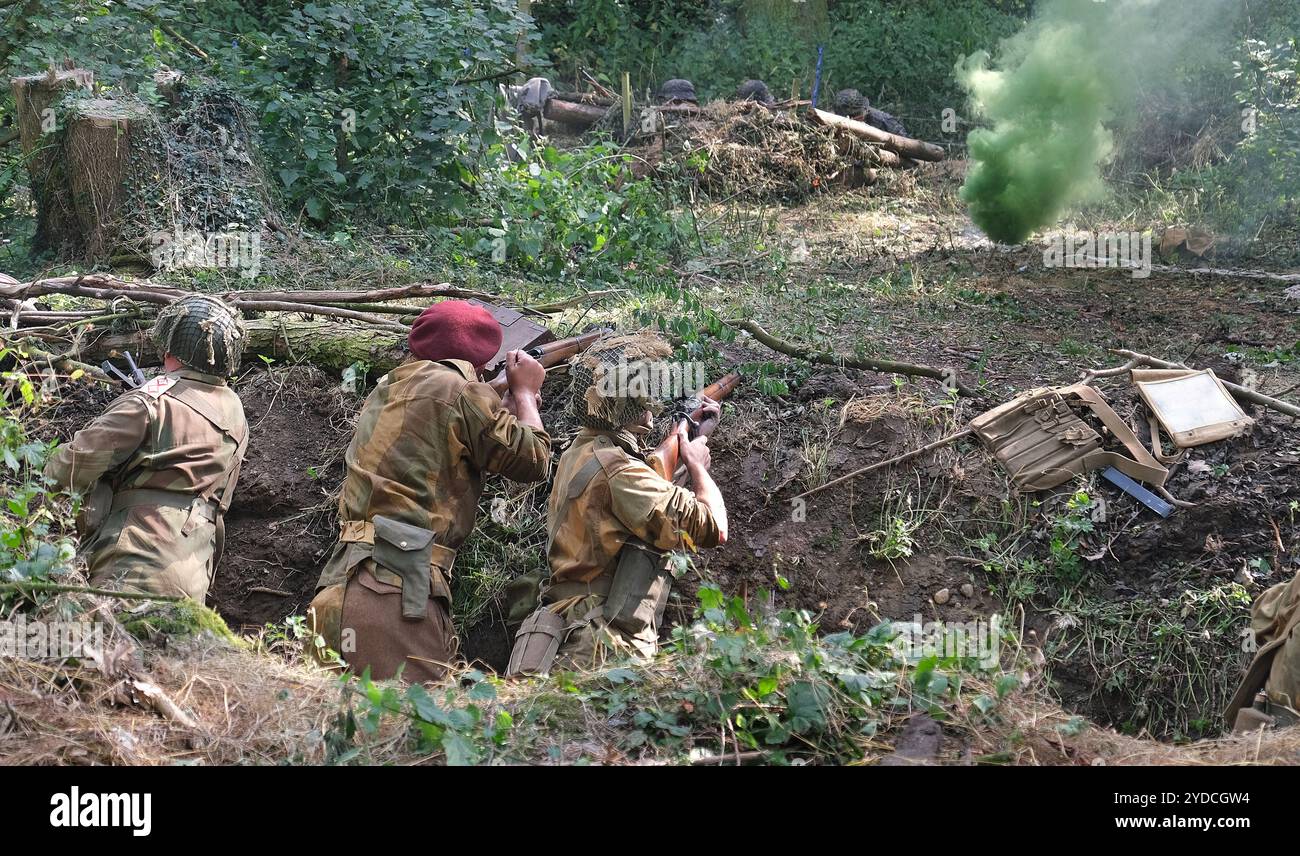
[852, 103]
[160, 465]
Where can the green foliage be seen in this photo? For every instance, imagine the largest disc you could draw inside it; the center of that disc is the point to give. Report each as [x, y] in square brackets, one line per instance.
[468, 726]
[35, 540]
[381, 106]
[577, 213]
[898, 54]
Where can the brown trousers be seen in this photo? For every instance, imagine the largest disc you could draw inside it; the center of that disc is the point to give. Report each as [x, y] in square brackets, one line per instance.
[375, 635]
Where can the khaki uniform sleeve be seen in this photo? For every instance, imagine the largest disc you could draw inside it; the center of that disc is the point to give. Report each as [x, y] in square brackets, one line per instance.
[657, 511]
[103, 445]
[500, 443]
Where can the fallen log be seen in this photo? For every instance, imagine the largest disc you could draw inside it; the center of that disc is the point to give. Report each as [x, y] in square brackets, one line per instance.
[945, 375]
[312, 309]
[905, 146]
[331, 345]
[580, 116]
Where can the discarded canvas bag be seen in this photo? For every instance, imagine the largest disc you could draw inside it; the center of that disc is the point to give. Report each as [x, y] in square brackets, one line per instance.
[1043, 443]
[638, 593]
[1193, 408]
[1275, 668]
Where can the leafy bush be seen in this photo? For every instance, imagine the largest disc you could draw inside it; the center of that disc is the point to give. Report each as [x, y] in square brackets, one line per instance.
[772, 684]
[574, 213]
[36, 544]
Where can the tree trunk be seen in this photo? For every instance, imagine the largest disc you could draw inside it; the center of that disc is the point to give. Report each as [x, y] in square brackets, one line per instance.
[38, 122]
[327, 344]
[905, 146]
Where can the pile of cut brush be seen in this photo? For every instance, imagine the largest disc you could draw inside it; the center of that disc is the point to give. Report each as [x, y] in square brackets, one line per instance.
[783, 152]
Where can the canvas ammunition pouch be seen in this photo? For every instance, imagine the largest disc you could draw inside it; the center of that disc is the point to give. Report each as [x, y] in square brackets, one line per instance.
[325, 618]
[536, 644]
[638, 592]
[405, 555]
[1043, 443]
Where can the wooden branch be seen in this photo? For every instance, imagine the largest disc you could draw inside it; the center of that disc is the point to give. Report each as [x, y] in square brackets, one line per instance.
[907, 146]
[561, 305]
[24, 587]
[99, 286]
[906, 456]
[65, 364]
[887, 366]
[313, 309]
[9, 137]
[1237, 390]
[378, 295]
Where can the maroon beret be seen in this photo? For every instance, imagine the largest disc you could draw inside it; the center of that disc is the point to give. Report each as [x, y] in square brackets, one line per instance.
[455, 330]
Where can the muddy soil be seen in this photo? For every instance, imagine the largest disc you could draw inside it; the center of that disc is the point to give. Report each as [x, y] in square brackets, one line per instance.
[282, 522]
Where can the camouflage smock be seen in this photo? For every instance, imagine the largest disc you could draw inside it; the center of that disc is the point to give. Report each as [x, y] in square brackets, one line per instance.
[424, 438]
[182, 433]
[625, 499]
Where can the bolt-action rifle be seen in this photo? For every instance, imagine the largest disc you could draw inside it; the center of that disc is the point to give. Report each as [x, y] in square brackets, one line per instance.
[665, 459]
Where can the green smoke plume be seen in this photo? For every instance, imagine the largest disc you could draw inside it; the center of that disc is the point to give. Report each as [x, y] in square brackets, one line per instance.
[1049, 96]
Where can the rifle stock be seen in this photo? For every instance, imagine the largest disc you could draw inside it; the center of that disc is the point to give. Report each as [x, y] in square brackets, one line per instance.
[666, 458]
[551, 354]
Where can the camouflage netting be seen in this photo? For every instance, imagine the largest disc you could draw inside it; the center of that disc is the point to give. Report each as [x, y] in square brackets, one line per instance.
[598, 396]
[202, 332]
[118, 177]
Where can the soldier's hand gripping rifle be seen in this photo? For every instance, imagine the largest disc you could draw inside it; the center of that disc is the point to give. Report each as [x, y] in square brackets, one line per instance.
[701, 414]
[551, 354]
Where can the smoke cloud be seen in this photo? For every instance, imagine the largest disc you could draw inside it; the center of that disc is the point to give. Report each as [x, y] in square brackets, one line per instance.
[1051, 93]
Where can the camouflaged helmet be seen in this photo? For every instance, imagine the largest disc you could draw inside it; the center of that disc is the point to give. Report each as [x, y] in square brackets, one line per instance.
[850, 102]
[678, 89]
[754, 90]
[606, 393]
[202, 332]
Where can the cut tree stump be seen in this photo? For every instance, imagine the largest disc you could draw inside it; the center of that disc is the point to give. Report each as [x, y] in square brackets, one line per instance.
[35, 97]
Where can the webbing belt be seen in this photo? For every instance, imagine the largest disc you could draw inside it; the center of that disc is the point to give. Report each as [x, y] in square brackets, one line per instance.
[207, 509]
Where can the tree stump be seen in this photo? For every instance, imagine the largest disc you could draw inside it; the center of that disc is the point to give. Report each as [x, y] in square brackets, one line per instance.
[37, 98]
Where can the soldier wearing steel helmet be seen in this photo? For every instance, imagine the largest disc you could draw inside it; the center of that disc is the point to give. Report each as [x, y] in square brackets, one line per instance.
[852, 103]
[160, 464]
[677, 92]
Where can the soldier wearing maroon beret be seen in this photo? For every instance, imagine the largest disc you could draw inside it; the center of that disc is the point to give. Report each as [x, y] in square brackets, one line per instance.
[424, 440]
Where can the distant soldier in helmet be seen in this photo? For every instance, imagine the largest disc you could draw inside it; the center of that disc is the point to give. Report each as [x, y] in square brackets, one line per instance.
[161, 463]
[677, 92]
[755, 90]
[852, 103]
[613, 518]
